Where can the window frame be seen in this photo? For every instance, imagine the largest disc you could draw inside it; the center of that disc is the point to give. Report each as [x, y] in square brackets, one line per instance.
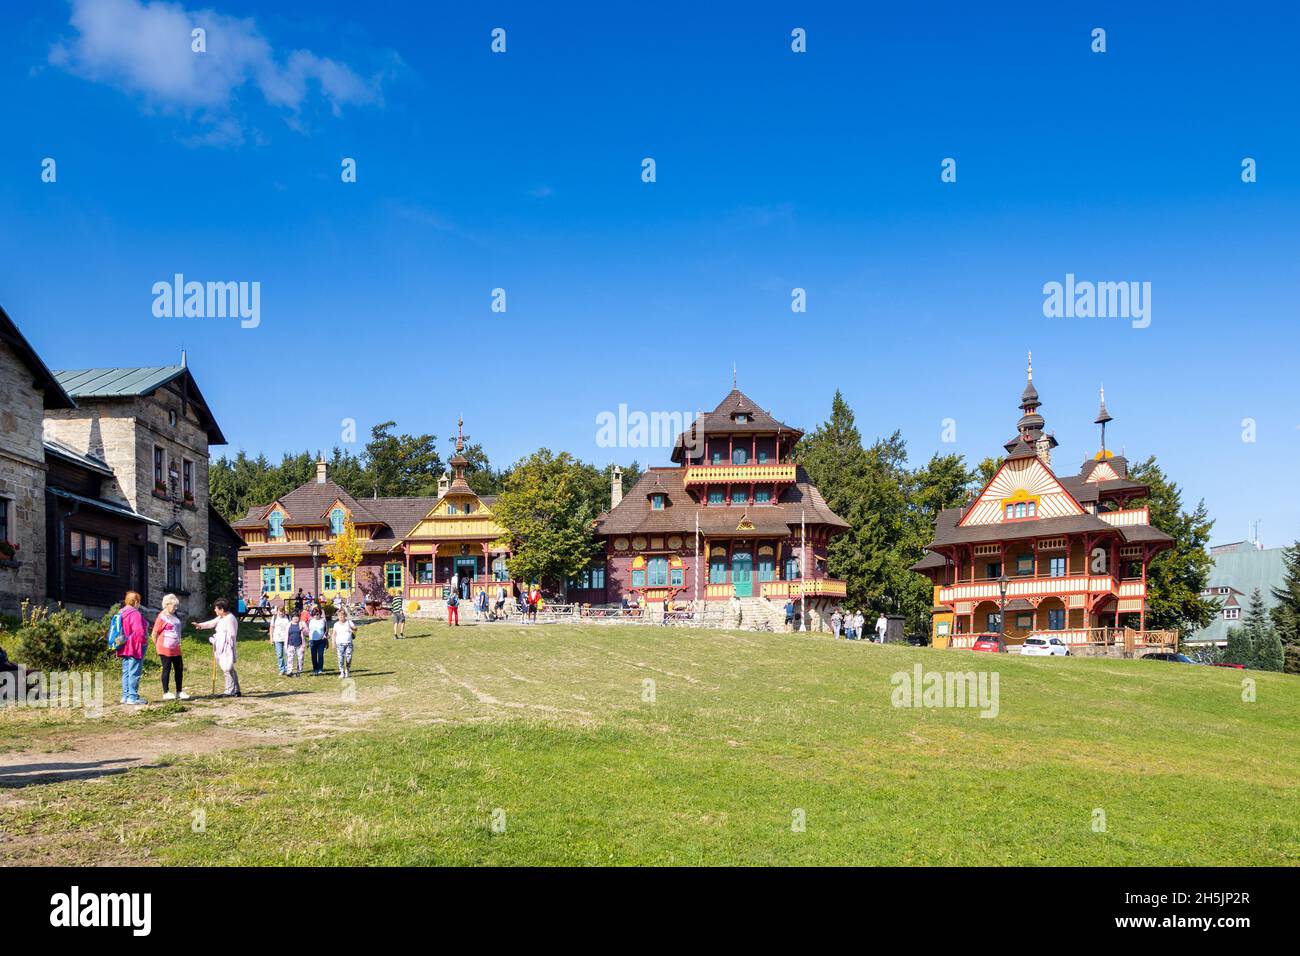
[176, 583]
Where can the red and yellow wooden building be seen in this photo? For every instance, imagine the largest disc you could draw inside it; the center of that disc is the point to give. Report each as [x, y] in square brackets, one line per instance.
[1071, 551]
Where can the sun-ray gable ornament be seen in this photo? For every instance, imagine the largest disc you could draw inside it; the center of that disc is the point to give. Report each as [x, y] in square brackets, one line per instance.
[1021, 480]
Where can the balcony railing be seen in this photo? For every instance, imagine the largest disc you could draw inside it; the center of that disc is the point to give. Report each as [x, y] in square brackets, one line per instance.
[742, 474]
[1130, 639]
[1126, 517]
[1027, 587]
[813, 587]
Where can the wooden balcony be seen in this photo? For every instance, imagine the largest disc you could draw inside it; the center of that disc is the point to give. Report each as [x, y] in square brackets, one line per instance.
[812, 587]
[1040, 587]
[1126, 517]
[739, 474]
[1132, 641]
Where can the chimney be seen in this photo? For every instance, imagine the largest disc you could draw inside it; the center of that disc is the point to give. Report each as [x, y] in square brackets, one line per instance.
[322, 469]
[616, 488]
[1043, 448]
[444, 482]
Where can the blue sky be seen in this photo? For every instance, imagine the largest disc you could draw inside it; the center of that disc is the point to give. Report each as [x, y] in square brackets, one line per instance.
[775, 170]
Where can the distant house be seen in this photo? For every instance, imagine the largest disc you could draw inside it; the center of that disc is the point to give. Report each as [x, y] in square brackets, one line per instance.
[1239, 568]
[152, 429]
[28, 391]
[416, 546]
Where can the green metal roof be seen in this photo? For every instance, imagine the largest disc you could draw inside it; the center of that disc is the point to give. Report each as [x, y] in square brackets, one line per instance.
[1243, 570]
[116, 382]
[109, 383]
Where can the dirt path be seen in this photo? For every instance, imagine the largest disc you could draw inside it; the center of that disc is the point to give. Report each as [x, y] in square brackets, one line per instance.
[87, 752]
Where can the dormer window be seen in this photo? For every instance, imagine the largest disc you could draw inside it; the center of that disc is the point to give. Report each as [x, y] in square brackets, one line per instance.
[275, 524]
[1020, 508]
[1231, 613]
[742, 418]
[337, 519]
[657, 502]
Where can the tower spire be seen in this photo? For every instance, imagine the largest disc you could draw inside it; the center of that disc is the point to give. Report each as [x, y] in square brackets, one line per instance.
[1103, 416]
[733, 376]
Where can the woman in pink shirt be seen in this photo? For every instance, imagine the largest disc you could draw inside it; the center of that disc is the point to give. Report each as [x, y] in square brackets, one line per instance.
[132, 647]
[167, 641]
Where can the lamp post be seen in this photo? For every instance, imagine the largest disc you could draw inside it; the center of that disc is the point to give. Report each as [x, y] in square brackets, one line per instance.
[1002, 609]
[314, 544]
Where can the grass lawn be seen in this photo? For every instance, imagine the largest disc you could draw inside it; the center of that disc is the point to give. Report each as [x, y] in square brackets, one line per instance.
[551, 735]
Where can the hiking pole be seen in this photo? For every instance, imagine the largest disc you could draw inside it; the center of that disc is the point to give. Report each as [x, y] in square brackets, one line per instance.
[213, 691]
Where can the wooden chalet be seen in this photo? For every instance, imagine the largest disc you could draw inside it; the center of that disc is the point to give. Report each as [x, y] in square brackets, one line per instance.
[734, 517]
[415, 545]
[1072, 551]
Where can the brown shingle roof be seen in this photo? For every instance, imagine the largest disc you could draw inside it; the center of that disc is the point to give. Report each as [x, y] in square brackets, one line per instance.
[634, 515]
[307, 504]
[722, 421]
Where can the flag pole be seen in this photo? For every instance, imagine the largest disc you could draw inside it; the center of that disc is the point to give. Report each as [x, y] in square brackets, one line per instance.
[803, 571]
[697, 560]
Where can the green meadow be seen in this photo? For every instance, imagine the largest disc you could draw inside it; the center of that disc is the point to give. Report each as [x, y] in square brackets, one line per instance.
[555, 745]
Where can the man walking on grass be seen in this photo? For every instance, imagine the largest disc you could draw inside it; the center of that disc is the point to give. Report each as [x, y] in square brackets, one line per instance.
[399, 618]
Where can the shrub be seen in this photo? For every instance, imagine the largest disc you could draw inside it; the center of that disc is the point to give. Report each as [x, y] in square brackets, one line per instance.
[40, 645]
[62, 640]
[84, 640]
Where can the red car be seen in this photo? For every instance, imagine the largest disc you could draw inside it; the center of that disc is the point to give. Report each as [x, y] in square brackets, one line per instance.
[988, 642]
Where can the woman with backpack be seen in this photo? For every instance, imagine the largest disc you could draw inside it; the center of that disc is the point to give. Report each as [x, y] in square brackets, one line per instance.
[129, 641]
[167, 641]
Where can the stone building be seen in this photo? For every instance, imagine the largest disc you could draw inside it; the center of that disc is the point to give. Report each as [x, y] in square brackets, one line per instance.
[28, 391]
[152, 428]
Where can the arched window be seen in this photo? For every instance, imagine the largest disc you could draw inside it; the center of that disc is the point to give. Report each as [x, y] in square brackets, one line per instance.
[739, 456]
[337, 521]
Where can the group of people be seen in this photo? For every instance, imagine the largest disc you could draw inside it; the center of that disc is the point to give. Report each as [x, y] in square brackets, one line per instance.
[850, 624]
[484, 610]
[290, 633]
[131, 634]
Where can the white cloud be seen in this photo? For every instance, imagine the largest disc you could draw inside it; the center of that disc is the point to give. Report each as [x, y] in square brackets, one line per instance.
[144, 48]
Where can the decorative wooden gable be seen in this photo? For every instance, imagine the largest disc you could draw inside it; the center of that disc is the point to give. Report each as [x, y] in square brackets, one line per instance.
[1103, 471]
[458, 516]
[1021, 480]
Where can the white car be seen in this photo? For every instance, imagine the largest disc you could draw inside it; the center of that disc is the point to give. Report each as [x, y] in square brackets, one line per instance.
[1044, 647]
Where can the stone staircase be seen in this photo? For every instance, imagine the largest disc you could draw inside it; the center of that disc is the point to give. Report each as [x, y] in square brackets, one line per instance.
[757, 613]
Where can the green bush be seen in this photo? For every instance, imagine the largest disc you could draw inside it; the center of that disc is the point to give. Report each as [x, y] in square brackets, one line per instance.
[63, 640]
[84, 641]
[40, 645]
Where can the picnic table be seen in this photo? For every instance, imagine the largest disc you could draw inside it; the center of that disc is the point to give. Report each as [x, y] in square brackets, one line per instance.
[257, 613]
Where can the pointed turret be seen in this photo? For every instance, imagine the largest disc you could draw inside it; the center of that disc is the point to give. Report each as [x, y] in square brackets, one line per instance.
[1103, 416]
[459, 461]
[1029, 429]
